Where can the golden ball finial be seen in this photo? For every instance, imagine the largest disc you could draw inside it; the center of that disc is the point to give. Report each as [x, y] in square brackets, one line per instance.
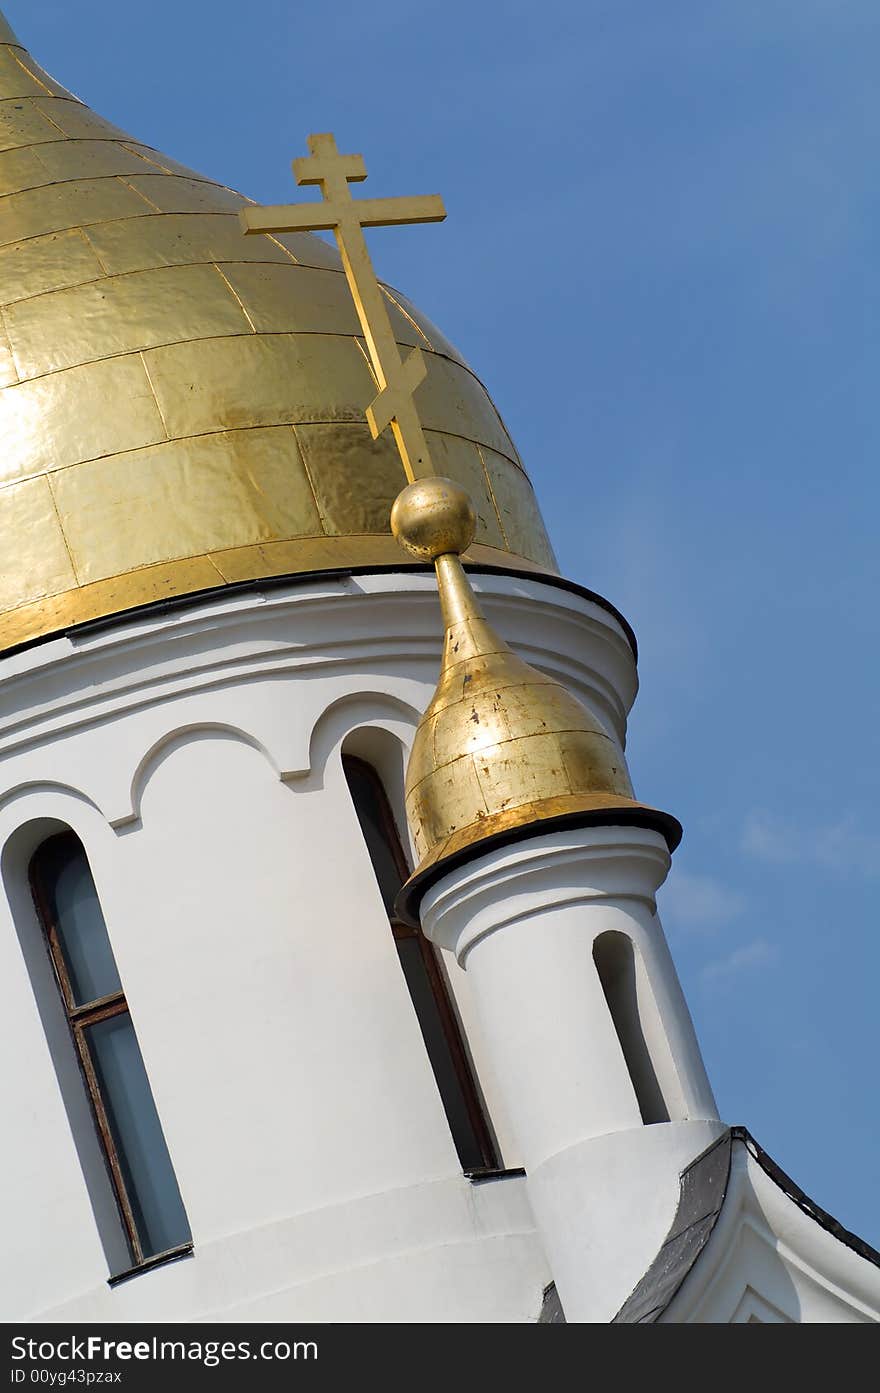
[433, 517]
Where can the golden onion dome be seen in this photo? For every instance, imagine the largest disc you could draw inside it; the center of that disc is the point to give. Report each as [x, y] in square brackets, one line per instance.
[502, 751]
[183, 406]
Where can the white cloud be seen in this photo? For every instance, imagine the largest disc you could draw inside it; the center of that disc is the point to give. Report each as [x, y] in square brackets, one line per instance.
[699, 903]
[751, 955]
[841, 846]
[768, 838]
[846, 847]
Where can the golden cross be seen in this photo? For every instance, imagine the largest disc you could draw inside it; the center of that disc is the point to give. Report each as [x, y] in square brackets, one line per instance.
[397, 378]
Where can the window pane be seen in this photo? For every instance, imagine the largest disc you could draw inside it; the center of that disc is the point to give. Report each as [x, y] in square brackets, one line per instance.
[374, 825]
[451, 1092]
[146, 1166]
[77, 916]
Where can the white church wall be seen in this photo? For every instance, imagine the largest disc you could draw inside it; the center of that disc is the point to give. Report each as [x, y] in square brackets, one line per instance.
[196, 755]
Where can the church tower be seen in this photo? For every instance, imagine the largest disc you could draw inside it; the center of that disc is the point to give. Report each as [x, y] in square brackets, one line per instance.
[331, 992]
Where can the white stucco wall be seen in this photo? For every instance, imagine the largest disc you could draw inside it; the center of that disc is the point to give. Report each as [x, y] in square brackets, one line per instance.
[197, 756]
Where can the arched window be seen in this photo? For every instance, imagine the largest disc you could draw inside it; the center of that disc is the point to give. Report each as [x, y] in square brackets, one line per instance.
[110, 1060]
[615, 960]
[443, 1042]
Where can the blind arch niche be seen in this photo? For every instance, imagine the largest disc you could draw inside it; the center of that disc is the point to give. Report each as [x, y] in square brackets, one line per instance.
[639, 1027]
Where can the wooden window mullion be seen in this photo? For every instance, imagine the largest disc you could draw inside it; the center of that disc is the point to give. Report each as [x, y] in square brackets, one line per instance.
[79, 1029]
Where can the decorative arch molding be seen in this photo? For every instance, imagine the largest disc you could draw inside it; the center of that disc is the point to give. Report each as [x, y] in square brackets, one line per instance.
[297, 752]
[30, 814]
[178, 737]
[31, 811]
[35, 787]
[347, 715]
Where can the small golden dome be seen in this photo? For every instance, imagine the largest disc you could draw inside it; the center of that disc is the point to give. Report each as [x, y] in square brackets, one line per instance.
[182, 406]
[502, 750]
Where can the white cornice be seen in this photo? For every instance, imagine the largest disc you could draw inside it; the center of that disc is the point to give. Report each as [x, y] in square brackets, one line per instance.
[377, 622]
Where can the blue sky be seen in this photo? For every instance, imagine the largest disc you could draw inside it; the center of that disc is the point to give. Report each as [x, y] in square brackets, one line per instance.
[661, 255]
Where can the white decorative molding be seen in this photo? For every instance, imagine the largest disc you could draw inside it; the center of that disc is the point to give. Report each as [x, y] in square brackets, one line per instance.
[544, 874]
[269, 667]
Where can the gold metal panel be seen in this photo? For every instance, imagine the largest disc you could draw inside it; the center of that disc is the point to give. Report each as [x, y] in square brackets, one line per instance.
[304, 299]
[434, 338]
[161, 162]
[169, 193]
[46, 263]
[114, 596]
[459, 459]
[304, 554]
[120, 315]
[430, 804]
[143, 585]
[47, 83]
[34, 561]
[87, 159]
[62, 419]
[15, 80]
[308, 248]
[279, 299]
[261, 380]
[184, 497]
[77, 121]
[20, 169]
[177, 239]
[7, 34]
[451, 399]
[338, 454]
[596, 766]
[8, 373]
[520, 771]
[518, 510]
[60, 206]
[500, 710]
[300, 555]
[22, 123]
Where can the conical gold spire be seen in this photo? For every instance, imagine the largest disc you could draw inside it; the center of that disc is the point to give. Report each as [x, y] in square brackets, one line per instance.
[7, 33]
[502, 749]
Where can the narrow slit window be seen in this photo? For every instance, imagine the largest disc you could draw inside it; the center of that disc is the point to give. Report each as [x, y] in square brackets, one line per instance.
[615, 960]
[141, 1173]
[424, 978]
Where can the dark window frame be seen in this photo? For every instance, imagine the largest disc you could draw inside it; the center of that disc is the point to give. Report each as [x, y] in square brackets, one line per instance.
[79, 1019]
[468, 1088]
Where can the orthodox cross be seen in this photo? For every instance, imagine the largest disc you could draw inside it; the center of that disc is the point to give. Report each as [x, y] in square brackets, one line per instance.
[346, 217]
